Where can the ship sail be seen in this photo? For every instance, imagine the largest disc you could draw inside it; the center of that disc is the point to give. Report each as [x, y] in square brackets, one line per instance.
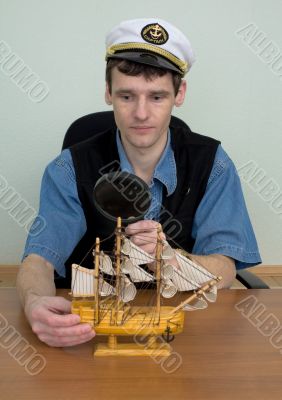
[137, 274]
[168, 289]
[198, 304]
[134, 256]
[83, 285]
[167, 252]
[190, 275]
[128, 290]
[106, 264]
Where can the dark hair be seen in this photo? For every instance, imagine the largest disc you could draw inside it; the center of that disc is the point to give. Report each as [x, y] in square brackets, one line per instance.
[134, 69]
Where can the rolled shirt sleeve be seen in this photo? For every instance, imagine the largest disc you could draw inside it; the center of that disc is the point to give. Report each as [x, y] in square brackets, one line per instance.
[60, 207]
[222, 224]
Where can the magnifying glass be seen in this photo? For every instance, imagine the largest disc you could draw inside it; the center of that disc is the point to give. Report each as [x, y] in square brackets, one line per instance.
[122, 194]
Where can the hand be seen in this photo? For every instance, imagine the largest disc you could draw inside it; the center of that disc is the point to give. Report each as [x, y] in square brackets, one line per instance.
[51, 320]
[144, 234]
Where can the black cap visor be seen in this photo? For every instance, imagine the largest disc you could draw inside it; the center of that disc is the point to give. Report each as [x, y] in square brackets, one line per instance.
[147, 58]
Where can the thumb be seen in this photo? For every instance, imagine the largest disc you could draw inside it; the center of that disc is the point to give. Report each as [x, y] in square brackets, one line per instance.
[59, 304]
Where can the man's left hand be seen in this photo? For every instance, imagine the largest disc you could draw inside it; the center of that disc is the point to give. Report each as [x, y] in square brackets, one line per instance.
[144, 234]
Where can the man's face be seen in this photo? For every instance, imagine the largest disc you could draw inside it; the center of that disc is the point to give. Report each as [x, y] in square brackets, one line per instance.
[143, 108]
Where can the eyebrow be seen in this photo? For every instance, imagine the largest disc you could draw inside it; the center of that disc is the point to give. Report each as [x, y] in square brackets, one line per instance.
[152, 92]
[120, 91]
[160, 92]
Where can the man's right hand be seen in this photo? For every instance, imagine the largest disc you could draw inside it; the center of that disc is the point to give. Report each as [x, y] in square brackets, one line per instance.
[51, 320]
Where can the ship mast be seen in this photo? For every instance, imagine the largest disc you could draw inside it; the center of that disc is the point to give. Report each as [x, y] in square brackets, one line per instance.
[117, 261]
[96, 282]
[158, 273]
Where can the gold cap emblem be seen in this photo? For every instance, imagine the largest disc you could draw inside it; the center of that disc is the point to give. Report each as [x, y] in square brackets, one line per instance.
[154, 33]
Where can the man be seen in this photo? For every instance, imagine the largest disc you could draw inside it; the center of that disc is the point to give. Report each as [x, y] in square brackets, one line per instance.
[189, 175]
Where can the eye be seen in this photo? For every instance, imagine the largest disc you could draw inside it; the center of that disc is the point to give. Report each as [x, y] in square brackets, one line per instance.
[125, 96]
[157, 97]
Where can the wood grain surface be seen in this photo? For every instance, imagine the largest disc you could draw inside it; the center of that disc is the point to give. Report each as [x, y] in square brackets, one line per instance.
[221, 354]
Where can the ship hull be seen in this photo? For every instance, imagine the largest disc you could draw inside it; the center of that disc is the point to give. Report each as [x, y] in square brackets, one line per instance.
[130, 320]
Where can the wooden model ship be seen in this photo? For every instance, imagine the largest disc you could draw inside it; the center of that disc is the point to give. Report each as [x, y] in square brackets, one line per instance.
[105, 297]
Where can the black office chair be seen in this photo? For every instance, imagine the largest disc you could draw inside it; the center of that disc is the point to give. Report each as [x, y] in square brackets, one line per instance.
[88, 125]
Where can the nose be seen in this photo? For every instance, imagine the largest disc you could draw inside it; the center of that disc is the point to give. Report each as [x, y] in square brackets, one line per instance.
[141, 111]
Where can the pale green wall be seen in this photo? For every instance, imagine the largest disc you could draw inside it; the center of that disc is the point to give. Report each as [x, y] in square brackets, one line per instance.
[233, 94]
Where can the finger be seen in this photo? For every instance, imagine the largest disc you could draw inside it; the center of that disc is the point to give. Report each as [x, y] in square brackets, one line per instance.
[66, 341]
[149, 248]
[143, 239]
[51, 318]
[76, 330]
[141, 226]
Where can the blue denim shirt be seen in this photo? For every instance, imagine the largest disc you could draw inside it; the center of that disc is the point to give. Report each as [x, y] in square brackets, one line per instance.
[221, 224]
[164, 175]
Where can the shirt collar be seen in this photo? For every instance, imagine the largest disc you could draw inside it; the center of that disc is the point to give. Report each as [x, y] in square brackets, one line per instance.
[165, 170]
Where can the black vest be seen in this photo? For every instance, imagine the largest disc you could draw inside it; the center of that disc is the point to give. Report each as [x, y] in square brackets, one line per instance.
[194, 157]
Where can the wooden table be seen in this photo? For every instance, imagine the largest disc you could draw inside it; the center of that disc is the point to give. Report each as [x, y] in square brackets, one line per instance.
[224, 356]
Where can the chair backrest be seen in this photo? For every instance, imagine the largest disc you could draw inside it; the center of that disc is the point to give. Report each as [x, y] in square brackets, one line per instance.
[88, 125]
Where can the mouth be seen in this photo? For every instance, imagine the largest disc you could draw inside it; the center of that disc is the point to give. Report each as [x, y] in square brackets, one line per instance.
[142, 128]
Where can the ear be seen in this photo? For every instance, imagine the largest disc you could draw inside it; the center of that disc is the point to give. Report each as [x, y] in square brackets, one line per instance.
[180, 97]
[108, 97]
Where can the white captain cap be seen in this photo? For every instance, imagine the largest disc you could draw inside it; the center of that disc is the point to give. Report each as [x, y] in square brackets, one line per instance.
[151, 41]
